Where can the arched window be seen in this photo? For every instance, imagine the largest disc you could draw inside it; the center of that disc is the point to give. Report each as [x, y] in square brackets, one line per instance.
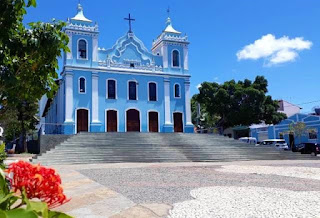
[82, 85]
[177, 91]
[152, 91]
[132, 90]
[82, 47]
[112, 89]
[175, 58]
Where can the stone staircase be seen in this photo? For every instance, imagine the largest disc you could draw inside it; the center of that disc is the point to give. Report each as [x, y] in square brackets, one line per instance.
[93, 148]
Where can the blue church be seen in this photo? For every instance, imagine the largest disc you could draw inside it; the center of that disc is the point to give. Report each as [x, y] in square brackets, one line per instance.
[126, 88]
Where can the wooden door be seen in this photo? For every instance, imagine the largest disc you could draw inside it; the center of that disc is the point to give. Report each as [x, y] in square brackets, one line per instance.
[133, 121]
[153, 122]
[112, 121]
[177, 120]
[82, 120]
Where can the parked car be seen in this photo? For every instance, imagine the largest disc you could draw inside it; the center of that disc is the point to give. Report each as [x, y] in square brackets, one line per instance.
[310, 148]
[249, 140]
[298, 147]
[277, 143]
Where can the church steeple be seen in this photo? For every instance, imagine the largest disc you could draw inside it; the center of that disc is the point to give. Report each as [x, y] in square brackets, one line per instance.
[80, 16]
[169, 28]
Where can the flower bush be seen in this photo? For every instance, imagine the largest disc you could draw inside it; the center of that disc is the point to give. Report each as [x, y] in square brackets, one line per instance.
[25, 182]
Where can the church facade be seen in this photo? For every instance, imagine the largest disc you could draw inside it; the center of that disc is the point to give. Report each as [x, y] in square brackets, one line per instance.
[122, 89]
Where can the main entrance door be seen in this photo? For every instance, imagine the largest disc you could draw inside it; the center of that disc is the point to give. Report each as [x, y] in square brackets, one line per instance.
[177, 122]
[153, 122]
[112, 121]
[82, 120]
[133, 121]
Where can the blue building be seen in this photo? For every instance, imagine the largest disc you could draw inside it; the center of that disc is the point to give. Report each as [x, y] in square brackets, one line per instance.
[282, 130]
[124, 88]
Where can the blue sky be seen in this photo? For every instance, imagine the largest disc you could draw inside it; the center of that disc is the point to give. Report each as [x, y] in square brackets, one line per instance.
[218, 30]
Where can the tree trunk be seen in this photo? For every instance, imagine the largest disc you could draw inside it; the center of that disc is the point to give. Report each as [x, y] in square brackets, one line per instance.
[23, 133]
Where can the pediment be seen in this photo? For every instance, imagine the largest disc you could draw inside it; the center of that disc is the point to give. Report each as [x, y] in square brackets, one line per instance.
[129, 49]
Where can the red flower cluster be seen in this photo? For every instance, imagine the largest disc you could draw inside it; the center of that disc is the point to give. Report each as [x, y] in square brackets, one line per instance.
[39, 182]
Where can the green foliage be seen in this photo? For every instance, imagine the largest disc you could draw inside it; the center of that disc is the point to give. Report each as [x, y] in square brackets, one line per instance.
[239, 103]
[25, 208]
[28, 60]
[3, 155]
[205, 120]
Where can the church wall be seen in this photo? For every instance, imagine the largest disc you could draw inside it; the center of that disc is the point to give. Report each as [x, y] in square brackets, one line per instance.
[121, 104]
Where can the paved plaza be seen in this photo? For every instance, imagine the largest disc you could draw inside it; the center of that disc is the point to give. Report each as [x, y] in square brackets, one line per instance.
[288, 188]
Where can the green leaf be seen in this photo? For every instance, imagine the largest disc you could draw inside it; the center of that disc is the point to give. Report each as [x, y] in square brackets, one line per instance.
[39, 207]
[7, 201]
[4, 190]
[56, 214]
[18, 213]
[32, 3]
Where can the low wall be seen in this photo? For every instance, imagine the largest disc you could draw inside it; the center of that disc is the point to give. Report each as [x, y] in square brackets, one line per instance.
[48, 142]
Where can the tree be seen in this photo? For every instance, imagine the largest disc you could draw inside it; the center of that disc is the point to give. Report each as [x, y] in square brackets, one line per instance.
[28, 60]
[239, 103]
[204, 119]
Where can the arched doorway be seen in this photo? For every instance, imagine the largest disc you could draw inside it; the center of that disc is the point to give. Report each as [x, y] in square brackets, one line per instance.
[153, 121]
[177, 122]
[112, 121]
[133, 120]
[82, 120]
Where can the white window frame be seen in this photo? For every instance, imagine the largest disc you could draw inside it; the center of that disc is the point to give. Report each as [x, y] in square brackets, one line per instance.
[87, 51]
[174, 91]
[156, 91]
[85, 85]
[137, 90]
[178, 58]
[107, 88]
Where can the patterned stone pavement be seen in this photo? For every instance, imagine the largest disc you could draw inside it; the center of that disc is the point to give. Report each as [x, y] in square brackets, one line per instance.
[236, 189]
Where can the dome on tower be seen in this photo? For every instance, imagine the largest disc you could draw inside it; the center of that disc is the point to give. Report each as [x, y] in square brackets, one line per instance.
[169, 28]
[80, 16]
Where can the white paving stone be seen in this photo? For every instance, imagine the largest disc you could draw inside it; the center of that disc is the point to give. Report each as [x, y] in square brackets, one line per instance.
[248, 202]
[298, 172]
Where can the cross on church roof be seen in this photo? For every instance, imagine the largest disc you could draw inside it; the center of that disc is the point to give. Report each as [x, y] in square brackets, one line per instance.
[130, 19]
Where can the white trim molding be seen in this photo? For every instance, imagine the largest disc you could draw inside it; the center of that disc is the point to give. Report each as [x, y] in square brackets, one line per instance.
[69, 97]
[167, 102]
[69, 54]
[95, 48]
[187, 103]
[186, 57]
[125, 117]
[87, 51]
[116, 89]
[106, 118]
[156, 91]
[95, 97]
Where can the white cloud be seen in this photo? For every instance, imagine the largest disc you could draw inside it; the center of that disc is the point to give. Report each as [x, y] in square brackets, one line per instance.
[274, 51]
[198, 86]
[216, 78]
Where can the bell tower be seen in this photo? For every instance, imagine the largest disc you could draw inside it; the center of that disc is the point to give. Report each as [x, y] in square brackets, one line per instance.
[83, 40]
[173, 47]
